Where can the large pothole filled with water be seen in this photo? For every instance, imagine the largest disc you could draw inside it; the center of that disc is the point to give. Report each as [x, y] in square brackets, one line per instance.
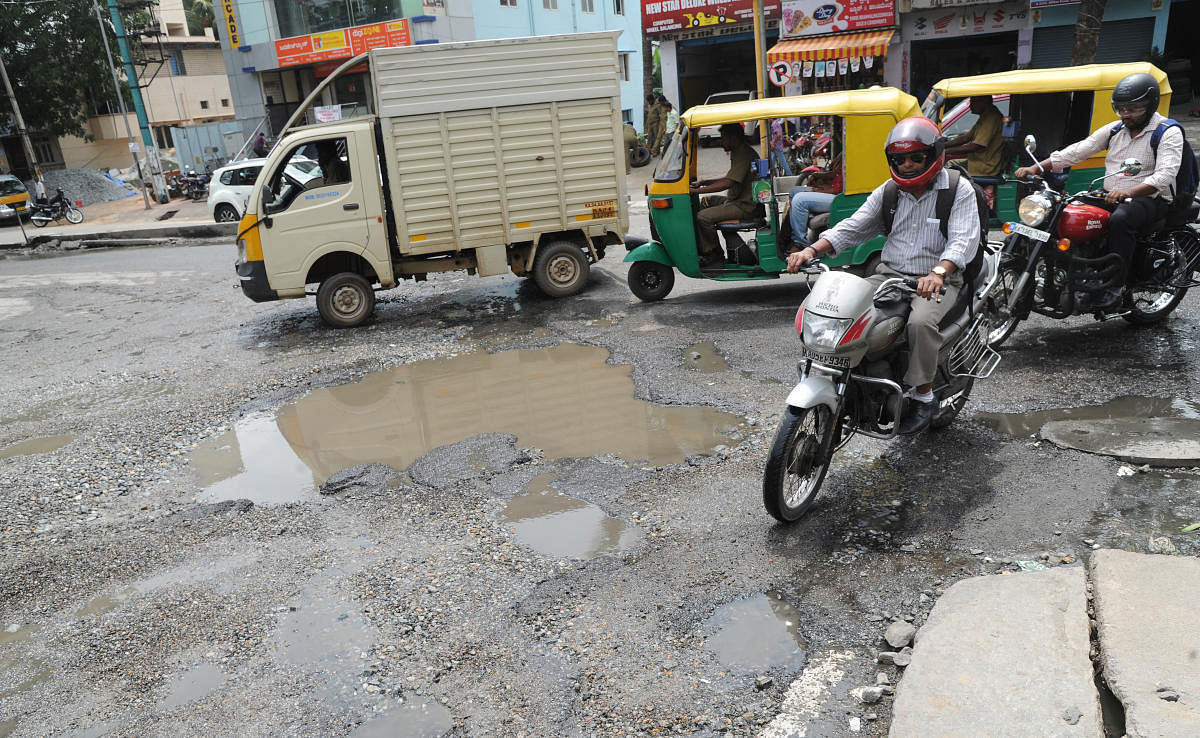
[567, 401]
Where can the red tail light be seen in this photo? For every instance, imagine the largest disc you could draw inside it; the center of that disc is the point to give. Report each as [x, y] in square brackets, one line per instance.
[857, 329]
[800, 320]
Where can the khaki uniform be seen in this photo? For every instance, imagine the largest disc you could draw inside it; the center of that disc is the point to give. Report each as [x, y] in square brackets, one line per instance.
[736, 205]
[653, 126]
[657, 143]
[631, 145]
[987, 132]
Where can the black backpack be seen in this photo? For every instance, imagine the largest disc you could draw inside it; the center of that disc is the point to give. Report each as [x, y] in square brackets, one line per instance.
[945, 202]
[1187, 179]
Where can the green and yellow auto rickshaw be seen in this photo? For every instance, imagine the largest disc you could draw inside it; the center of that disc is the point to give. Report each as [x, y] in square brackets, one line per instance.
[1059, 106]
[860, 121]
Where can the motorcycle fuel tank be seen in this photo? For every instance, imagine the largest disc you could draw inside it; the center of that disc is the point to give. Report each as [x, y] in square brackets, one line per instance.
[839, 295]
[1083, 222]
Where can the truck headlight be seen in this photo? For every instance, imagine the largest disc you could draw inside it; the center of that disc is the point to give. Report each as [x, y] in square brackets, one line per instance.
[1033, 209]
[823, 333]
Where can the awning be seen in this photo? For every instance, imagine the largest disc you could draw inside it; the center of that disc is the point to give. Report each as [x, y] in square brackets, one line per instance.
[836, 46]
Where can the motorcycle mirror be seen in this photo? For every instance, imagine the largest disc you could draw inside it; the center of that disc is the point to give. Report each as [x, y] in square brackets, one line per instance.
[1131, 167]
[1030, 145]
[1030, 142]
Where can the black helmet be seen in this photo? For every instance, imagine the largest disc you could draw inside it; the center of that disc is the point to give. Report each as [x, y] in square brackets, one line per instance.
[1136, 88]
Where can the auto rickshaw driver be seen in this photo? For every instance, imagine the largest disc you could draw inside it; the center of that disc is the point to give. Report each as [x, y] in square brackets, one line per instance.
[739, 204]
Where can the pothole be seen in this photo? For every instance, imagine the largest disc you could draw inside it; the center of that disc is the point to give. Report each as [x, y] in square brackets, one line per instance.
[33, 446]
[704, 357]
[1029, 423]
[560, 526]
[756, 634]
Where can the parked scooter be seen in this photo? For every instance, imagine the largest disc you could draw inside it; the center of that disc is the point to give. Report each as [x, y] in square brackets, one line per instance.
[195, 185]
[56, 208]
[1057, 258]
[853, 352]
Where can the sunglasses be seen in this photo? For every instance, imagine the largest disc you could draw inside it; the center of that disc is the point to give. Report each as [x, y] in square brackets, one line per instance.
[916, 157]
[1124, 109]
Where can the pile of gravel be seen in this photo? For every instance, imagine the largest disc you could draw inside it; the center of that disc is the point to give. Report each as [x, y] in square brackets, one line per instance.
[86, 185]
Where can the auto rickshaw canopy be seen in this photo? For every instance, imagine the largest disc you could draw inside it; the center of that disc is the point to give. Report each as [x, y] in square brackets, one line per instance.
[1099, 77]
[868, 117]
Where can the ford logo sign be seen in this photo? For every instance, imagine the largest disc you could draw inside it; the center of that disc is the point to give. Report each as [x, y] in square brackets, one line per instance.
[825, 12]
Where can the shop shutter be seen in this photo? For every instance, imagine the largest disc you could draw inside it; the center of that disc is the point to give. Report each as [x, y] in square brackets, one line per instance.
[1120, 41]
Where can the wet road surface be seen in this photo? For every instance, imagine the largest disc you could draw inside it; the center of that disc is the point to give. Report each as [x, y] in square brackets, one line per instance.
[556, 525]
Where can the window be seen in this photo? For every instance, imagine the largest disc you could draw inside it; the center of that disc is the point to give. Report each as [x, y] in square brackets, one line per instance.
[550, 4]
[43, 150]
[312, 16]
[624, 60]
[224, 102]
[204, 104]
[298, 173]
[587, 6]
[618, 7]
[508, 3]
[177, 67]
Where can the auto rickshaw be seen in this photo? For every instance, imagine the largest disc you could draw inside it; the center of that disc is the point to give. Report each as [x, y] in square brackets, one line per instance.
[1059, 106]
[863, 117]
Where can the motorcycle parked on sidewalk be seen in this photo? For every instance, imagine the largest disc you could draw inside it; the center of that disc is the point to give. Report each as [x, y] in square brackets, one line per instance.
[853, 352]
[1057, 257]
[195, 185]
[56, 208]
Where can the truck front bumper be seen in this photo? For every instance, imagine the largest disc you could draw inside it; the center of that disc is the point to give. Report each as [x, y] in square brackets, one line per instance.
[253, 278]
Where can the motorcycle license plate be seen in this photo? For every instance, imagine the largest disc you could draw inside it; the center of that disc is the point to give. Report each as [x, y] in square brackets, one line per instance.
[841, 362]
[1033, 233]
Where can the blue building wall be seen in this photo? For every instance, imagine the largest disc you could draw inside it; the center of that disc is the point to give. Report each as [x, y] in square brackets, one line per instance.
[1115, 10]
[531, 18]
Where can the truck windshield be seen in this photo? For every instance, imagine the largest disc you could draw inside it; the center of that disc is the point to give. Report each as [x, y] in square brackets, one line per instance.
[670, 167]
[307, 166]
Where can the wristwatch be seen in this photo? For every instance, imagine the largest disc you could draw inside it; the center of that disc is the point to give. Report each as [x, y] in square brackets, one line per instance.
[939, 270]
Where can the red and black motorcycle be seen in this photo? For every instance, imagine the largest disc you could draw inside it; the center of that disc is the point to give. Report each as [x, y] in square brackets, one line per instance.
[1056, 257]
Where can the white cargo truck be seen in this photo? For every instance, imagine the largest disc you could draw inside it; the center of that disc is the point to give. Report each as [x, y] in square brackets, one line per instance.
[483, 156]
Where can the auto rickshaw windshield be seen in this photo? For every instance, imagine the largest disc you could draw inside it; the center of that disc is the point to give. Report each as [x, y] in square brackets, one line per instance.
[932, 106]
[671, 166]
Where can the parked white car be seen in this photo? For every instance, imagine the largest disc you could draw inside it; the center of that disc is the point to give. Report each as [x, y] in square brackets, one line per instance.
[231, 184]
[711, 135]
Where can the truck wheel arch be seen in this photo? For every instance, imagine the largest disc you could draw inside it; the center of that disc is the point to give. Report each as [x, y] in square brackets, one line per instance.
[336, 262]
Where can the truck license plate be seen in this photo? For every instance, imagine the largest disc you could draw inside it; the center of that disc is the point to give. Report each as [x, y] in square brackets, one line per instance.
[1033, 233]
[841, 362]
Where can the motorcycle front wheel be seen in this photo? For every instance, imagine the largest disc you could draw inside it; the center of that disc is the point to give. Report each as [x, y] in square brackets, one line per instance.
[1002, 319]
[74, 215]
[797, 462]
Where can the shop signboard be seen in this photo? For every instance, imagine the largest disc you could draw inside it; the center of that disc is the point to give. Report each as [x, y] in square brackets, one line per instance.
[1048, 3]
[813, 17]
[665, 16]
[342, 43]
[926, 4]
[962, 21]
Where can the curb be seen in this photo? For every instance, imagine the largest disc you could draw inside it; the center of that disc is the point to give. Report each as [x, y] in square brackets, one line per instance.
[132, 236]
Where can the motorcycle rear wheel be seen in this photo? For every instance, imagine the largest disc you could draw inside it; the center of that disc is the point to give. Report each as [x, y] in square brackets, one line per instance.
[39, 221]
[74, 215]
[960, 390]
[797, 462]
[1159, 303]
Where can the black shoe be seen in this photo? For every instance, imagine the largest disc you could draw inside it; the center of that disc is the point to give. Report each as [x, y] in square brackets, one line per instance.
[917, 417]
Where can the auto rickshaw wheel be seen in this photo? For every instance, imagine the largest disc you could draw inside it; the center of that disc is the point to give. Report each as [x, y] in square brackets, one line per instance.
[345, 300]
[650, 281]
[560, 268]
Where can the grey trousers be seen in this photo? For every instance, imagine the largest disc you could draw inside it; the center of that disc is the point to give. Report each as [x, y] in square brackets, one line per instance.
[924, 338]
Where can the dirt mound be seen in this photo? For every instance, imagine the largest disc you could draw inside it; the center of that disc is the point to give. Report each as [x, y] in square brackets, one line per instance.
[85, 185]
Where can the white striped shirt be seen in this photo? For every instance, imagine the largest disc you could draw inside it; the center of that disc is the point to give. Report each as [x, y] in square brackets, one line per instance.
[1158, 172]
[915, 245]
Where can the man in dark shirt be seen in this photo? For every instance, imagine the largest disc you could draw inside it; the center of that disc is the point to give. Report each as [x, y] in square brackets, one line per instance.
[738, 204]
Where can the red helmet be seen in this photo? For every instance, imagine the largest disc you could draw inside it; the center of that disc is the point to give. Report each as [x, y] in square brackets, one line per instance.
[913, 135]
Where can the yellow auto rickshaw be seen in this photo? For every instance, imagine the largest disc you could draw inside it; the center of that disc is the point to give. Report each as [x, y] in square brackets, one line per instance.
[1059, 106]
[860, 121]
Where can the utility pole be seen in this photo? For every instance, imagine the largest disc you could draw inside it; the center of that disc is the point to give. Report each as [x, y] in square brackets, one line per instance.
[121, 101]
[32, 160]
[160, 183]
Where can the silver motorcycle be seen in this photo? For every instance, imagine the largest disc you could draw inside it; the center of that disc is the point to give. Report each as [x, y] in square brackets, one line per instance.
[853, 354]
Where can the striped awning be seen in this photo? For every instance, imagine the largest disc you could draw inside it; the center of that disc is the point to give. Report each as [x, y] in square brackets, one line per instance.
[835, 46]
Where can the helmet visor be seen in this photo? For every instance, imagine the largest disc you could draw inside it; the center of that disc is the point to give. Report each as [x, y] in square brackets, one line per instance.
[1130, 108]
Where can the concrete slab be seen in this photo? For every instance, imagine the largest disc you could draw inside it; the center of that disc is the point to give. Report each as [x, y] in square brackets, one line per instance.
[1148, 613]
[1003, 656]
[1153, 441]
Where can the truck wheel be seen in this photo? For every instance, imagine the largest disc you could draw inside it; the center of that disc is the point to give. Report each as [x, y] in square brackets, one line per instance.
[560, 268]
[650, 281]
[345, 300]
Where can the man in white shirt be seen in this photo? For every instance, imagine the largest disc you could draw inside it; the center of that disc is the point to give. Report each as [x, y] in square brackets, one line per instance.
[1140, 199]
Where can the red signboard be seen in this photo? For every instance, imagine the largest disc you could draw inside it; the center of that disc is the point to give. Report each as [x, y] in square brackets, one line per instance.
[342, 43]
[816, 17]
[663, 16]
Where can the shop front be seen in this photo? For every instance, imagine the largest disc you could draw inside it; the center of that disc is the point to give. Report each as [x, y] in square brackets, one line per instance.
[1129, 31]
[831, 45]
[961, 40]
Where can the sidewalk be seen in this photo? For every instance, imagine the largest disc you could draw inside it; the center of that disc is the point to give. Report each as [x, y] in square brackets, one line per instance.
[126, 220]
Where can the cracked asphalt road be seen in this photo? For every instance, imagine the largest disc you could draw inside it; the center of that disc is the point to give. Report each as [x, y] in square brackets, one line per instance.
[410, 604]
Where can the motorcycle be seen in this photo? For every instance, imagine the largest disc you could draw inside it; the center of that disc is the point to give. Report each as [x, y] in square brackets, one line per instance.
[56, 208]
[195, 185]
[853, 352]
[1056, 258]
[806, 149]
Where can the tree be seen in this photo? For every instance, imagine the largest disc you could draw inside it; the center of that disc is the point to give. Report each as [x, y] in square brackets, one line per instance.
[1087, 31]
[200, 15]
[54, 58]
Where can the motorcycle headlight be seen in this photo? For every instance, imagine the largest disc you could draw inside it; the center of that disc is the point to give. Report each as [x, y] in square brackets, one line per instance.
[823, 333]
[1033, 209]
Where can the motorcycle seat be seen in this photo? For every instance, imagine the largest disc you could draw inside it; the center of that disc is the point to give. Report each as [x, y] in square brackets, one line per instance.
[741, 225]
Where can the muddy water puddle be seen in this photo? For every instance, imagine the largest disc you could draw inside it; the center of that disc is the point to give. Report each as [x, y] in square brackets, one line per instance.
[34, 446]
[1028, 424]
[559, 526]
[756, 634]
[566, 400]
[191, 686]
[704, 357]
[1146, 506]
[412, 719]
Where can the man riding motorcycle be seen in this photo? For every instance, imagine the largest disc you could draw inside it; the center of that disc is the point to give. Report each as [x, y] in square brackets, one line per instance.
[915, 247]
[1139, 199]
